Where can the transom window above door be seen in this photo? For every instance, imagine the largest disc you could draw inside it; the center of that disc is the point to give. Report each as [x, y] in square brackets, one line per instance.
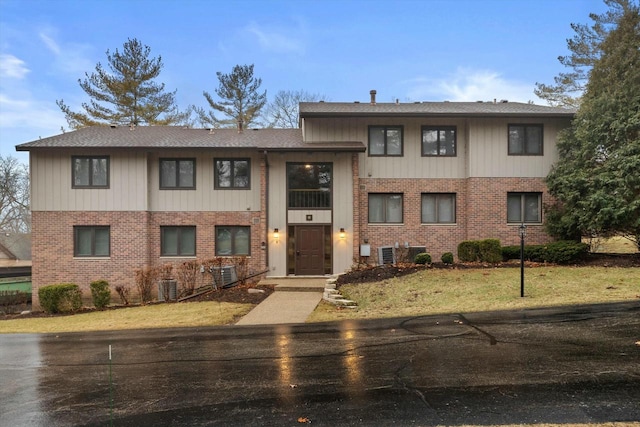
[309, 185]
[385, 140]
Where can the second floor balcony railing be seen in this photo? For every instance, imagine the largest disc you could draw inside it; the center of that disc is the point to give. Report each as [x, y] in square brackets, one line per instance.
[316, 199]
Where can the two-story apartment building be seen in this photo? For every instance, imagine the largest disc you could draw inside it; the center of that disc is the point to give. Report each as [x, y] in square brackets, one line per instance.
[356, 177]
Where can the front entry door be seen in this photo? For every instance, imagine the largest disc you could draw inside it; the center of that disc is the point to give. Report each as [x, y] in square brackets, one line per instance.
[309, 250]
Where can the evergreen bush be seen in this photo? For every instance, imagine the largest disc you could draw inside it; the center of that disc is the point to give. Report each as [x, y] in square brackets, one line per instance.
[447, 258]
[100, 293]
[423, 258]
[60, 298]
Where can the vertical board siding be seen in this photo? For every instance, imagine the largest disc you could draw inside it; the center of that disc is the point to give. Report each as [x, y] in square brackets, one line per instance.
[411, 164]
[205, 197]
[488, 154]
[52, 187]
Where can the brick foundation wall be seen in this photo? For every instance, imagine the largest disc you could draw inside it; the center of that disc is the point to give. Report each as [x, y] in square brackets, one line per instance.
[481, 212]
[135, 242]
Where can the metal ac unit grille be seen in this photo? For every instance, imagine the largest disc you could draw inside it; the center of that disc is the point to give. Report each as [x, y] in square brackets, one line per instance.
[225, 275]
[386, 255]
[415, 250]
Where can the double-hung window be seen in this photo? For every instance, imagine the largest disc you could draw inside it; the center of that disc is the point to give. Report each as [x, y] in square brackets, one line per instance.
[524, 208]
[177, 241]
[233, 240]
[177, 174]
[90, 171]
[385, 140]
[525, 140]
[91, 241]
[438, 208]
[232, 173]
[439, 141]
[385, 208]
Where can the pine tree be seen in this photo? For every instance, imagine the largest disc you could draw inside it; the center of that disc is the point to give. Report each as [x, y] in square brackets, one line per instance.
[125, 93]
[585, 47]
[241, 100]
[597, 178]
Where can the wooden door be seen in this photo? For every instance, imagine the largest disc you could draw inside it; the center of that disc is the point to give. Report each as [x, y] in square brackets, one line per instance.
[309, 250]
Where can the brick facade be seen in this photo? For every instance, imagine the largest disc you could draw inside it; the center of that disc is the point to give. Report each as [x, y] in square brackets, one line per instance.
[135, 242]
[481, 213]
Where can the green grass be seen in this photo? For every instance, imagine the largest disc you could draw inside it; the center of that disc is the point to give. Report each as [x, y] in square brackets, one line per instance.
[436, 291]
[176, 315]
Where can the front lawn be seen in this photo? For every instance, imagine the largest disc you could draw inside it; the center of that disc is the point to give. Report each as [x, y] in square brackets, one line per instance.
[433, 291]
[175, 315]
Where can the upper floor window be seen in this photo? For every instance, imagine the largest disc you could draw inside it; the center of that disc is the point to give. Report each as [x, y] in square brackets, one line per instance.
[233, 240]
[385, 208]
[90, 171]
[177, 173]
[439, 141]
[309, 185]
[524, 207]
[91, 241]
[178, 241]
[525, 140]
[385, 140]
[438, 208]
[232, 173]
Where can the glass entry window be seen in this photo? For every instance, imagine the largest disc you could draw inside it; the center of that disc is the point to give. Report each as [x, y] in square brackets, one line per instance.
[309, 185]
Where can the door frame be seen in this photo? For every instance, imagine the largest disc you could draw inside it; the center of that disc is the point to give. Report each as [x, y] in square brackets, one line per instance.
[327, 248]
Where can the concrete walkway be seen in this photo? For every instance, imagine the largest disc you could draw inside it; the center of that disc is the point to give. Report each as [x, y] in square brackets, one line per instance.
[293, 301]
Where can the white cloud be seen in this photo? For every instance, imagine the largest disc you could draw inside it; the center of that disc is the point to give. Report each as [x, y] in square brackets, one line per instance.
[29, 113]
[276, 41]
[50, 43]
[12, 67]
[70, 58]
[470, 85]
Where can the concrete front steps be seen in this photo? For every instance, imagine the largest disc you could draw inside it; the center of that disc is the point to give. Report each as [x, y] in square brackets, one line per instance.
[333, 296]
[311, 284]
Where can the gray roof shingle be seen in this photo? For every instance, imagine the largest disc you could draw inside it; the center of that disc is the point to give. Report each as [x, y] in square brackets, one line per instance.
[179, 137]
[460, 109]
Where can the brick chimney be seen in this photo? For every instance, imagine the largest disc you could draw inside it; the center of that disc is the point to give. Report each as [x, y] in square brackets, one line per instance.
[240, 123]
[373, 97]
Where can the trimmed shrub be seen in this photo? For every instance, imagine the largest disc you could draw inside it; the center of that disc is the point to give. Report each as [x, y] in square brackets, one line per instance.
[423, 258]
[100, 293]
[489, 250]
[447, 258]
[510, 252]
[562, 252]
[61, 298]
[565, 251]
[469, 251]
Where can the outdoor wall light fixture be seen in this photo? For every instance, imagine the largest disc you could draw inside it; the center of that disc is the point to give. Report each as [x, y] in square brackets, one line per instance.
[276, 233]
[342, 233]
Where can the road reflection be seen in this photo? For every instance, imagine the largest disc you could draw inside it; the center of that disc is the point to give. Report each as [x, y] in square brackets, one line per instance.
[20, 363]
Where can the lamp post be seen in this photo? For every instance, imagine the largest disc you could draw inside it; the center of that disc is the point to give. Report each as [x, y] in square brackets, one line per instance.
[523, 233]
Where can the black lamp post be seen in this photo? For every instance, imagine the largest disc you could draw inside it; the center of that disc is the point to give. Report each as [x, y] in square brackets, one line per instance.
[523, 233]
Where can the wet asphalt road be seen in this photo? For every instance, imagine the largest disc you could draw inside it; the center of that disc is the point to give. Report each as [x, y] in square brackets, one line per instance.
[578, 364]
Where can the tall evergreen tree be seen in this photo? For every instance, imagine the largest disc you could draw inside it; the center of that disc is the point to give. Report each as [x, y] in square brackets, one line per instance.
[585, 47]
[240, 99]
[125, 93]
[597, 178]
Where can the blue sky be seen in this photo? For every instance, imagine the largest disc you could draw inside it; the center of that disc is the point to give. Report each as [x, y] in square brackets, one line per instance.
[411, 50]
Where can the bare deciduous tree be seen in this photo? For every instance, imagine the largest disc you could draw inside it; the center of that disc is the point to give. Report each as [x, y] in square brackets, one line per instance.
[283, 111]
[15, 215]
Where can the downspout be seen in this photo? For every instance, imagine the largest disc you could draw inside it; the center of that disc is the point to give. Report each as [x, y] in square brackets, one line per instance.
[266, 210]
